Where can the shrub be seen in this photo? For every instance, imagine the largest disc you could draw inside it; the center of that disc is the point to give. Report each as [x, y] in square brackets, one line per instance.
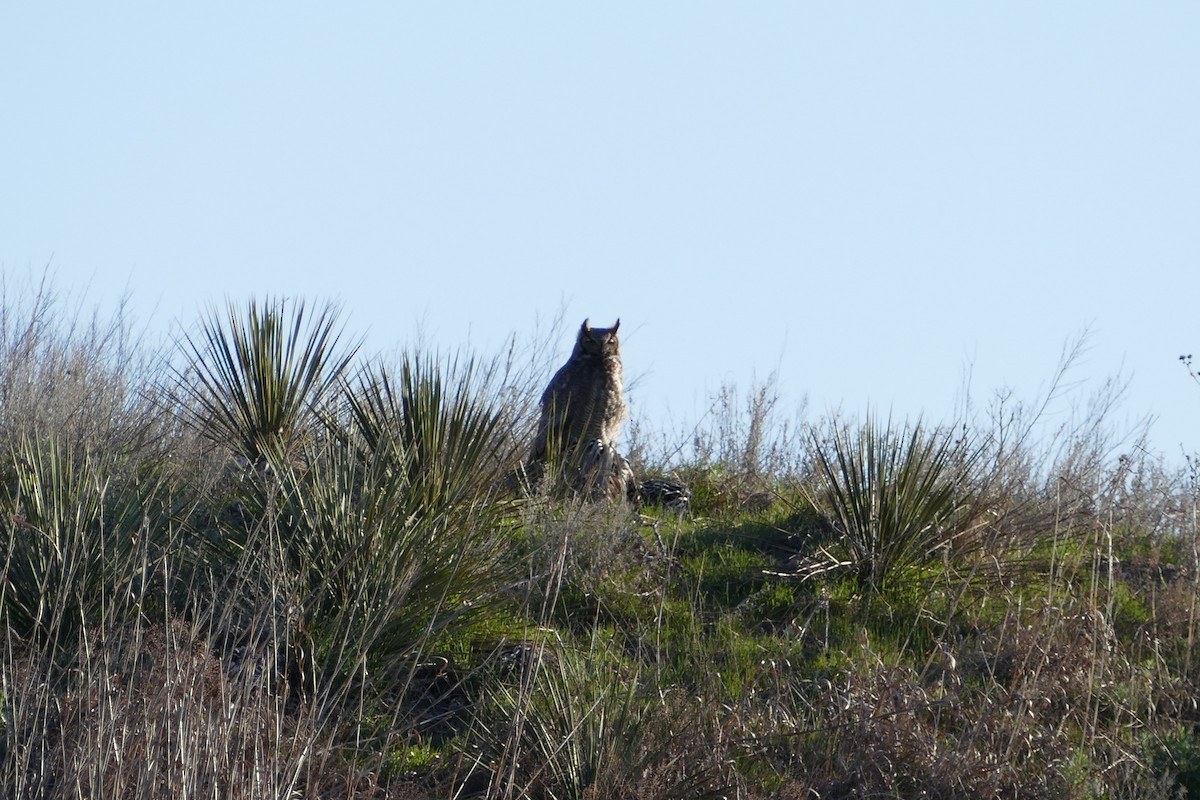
[255, 379]
[892, 495]
[84, 530]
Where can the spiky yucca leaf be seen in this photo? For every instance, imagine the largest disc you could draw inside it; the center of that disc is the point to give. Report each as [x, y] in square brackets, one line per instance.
[260, 372]
[893, 496]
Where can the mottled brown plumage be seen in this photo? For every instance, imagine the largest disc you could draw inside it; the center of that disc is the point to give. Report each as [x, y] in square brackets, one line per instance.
[582, 409]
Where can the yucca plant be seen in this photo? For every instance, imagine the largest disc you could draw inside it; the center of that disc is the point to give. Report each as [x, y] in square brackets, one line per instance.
[349, 529]
[388, 538]
[440, 425]
[256, 376]
[892, 496]
[79, 529]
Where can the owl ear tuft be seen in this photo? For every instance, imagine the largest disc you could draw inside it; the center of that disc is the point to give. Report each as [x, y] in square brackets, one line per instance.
[616, 325]
[585, 327]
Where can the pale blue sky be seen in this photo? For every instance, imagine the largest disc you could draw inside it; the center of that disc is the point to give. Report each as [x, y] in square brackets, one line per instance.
[866, 197]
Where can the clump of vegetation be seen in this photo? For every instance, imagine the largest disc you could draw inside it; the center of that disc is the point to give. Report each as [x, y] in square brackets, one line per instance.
[256, 380]
[274, 570]
[892, 497]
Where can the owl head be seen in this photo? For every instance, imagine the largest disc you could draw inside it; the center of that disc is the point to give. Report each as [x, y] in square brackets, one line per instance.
[598, 341]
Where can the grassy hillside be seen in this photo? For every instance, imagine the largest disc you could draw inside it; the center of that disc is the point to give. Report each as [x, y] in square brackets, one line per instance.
[260, 564]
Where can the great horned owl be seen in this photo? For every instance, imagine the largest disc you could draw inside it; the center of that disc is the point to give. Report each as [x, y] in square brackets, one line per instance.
[583, 403]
